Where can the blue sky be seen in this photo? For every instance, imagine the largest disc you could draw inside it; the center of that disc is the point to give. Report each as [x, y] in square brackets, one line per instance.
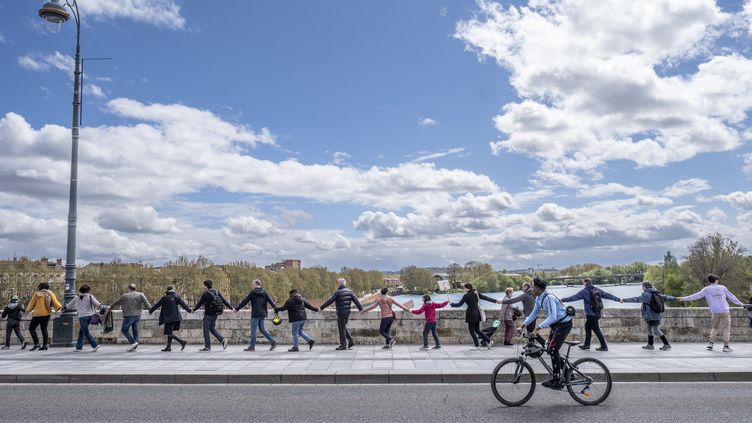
[380, 134]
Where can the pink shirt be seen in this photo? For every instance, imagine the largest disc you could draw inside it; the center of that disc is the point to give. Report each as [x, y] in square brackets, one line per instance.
[385, 303]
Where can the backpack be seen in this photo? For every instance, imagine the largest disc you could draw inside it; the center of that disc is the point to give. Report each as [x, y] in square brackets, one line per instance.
[215, 306]
[596, 302]
[516, 314]
[657, 302]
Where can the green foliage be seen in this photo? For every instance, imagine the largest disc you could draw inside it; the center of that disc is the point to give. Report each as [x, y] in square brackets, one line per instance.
[417, 279]
[718, 255]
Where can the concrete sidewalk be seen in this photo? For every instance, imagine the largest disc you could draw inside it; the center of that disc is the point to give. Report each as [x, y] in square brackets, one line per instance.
[688, 362]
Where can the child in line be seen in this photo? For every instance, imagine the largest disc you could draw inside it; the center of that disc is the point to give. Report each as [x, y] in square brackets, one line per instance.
[430, 307]
[13, 312]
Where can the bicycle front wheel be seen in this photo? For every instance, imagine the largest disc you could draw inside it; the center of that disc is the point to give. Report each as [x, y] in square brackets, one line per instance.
[513, 382]
[589, 381]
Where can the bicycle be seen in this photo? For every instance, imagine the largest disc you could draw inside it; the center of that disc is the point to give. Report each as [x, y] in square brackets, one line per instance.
[513, 383]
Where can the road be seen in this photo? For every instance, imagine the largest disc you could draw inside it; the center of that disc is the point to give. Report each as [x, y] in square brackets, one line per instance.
[665, 402]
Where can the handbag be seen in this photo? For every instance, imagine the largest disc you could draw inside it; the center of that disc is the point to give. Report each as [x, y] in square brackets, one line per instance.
[95, 319]
[516, 314]
[276, 320]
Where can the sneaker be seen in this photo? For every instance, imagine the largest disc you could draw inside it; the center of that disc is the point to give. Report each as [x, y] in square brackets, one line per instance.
[424, 348]
[474, 348]
[310, 344]
[205, 350]
[133, 347]
[385, 347]
[648, 347]
[584, 347]
[391, 344]
[34, 348]
[709, 347]
[77, 350]
[5, 347]
[249, 348]
[182, 345]
[490, 344]
[665, 347]
[225, 343]
[95, 349]
[23, 345]
[438, 347]
[340, 348]
[553, 384]
[602, 349]
[166, 349]
[350, 344]
[44, 348]
[726, 348]
[293, 349]
[508, 343]
[274, 345]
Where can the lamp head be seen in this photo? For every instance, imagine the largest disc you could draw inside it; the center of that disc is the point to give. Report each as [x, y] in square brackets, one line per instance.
[55, 14]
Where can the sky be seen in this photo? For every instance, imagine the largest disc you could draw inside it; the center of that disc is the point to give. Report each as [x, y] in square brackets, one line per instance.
[378, 135]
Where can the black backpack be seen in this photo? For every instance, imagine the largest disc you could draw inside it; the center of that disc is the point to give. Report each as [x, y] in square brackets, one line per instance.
[596, 302]
[216, 306]
[657, 303]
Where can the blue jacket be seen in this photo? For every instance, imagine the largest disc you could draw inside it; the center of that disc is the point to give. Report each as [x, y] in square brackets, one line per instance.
[584, 295]
[648, 312]
[555, 311]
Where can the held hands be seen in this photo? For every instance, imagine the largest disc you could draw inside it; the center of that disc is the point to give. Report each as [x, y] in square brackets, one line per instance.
[621, 300]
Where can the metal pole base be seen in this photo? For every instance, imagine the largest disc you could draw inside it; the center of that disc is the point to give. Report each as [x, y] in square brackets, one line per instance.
[62, 330]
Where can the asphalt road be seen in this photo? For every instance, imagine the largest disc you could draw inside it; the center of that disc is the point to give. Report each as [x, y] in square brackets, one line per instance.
[638, 402]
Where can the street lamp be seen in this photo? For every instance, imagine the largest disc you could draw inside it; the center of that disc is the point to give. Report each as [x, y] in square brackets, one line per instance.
[62, 328]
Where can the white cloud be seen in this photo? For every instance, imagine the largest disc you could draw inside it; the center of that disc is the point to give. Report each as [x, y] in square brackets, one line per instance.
[135, 219]
[748, 164]
[324, 240]
[686, 187]
[738, 199]
[428, 156]
[340, 158]
[612, 188]
[716, 215]
[44, 62]
[591, 93]
[250, 225]
[428, 122]
[160, 13]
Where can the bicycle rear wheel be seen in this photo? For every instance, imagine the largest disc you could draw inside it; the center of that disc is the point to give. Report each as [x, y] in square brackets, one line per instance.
[513, 382]
[589, 381]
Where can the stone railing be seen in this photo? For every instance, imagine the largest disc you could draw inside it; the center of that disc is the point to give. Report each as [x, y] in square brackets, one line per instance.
[618, 325]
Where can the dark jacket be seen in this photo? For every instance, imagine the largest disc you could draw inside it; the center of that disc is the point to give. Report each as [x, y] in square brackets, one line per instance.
[295, 307]
[472, 314]
[258, 297]
[644, 298]
[343, 299]
[13, 312]
[526, 298]
[585, 294]
[169, 312]
[207, 297]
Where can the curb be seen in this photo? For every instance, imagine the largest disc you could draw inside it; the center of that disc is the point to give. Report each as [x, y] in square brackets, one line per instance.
[344, 377]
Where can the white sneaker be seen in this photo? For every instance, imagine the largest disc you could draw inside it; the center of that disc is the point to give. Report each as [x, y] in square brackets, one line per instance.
[490, 344]
[709, 347]
[423, 348]
[133, 347]
[726, 348]
[95, 349]
[474, 348]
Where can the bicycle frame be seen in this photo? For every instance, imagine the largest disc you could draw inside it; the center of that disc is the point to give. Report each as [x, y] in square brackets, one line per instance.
[567, 367]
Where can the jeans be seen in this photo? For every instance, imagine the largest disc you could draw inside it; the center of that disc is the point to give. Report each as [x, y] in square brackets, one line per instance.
[257, 323]
[344, 334]
[42, 322]
[385, 327]
[297, 331]
[430, 327]
[10, 327]
[131, 322]
[210, 326]
[559, 332]
[591, 325]
[474, 328]
[83, 332]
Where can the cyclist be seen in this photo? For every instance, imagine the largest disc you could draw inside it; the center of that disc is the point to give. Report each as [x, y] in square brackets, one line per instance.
[559, 322]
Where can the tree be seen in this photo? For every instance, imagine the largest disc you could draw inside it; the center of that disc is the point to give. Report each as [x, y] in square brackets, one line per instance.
[718, 255]
[413, 277]
[454, 273]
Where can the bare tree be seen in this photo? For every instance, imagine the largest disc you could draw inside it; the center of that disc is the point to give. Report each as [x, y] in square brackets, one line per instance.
[718, 255]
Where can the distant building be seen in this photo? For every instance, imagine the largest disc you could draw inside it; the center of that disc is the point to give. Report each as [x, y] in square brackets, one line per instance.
[293, 264]
[388, 282]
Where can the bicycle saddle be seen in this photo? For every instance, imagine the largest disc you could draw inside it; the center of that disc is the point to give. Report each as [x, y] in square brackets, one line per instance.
[572, 343]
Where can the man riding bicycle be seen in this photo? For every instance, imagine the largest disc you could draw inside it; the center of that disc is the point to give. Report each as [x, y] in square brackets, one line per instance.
[559, 322]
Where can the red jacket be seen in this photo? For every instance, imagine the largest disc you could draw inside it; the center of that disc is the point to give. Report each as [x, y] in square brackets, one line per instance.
[430, 309]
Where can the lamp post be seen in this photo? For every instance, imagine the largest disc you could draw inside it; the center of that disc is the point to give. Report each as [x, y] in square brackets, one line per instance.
[62, 328]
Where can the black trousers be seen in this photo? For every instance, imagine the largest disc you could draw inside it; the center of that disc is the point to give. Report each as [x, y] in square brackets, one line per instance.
[385, 327]
[591, 325]
[556, 339]
[42, 322]
[344, 334]
[13, 326]
[475, 333]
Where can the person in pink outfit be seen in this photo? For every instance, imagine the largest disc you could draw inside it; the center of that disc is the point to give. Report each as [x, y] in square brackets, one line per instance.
[430, 307]
[385, 303]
